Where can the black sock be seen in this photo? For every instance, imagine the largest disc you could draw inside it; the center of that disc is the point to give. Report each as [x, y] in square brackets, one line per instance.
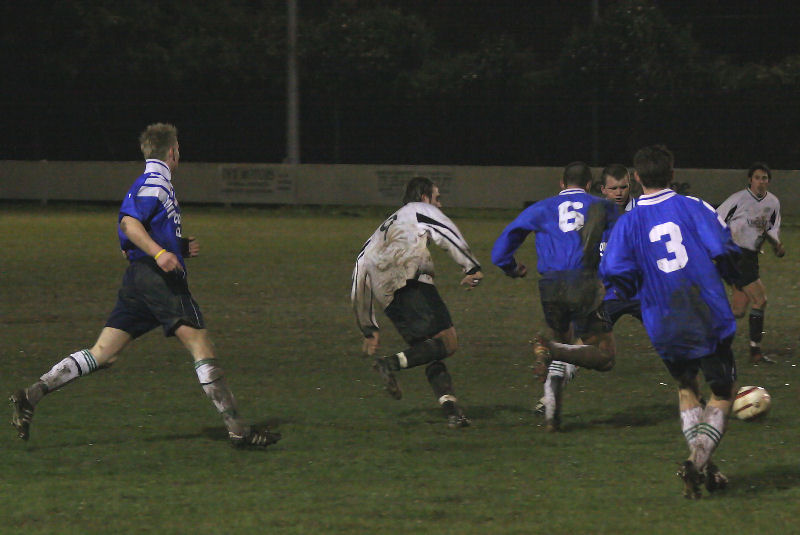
[440, 380]
[429, 350]
[756, 325]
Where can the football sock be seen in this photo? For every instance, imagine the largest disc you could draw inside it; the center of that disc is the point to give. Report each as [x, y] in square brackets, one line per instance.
[439, 379]
[709, 434]
[756, 326]
[76, 365]
[690, 419]
[212, 379]
[585, 356]
[36, 392]
[553, 387]
[429, 350]
[448, 404]
[562, 369]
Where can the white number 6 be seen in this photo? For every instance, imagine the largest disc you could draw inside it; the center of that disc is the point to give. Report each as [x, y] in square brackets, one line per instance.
[569, 219]
[674, 245]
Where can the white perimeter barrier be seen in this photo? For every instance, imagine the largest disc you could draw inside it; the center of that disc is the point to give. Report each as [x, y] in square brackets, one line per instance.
[360, 185]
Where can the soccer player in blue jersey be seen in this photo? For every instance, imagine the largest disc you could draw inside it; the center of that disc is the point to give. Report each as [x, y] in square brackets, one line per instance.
[615, 186]
[154, 293]
[568, 229]
[676, 252]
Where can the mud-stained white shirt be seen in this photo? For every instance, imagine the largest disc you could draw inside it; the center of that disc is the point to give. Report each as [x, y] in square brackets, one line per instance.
[751, 219]
[398, 251]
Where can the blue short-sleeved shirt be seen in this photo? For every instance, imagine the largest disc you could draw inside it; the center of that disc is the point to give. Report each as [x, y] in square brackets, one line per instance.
[151, 200]
[669, 249]
[558, 223]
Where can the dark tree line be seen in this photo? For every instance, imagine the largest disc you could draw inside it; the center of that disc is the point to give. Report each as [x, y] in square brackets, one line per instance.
[405, 82]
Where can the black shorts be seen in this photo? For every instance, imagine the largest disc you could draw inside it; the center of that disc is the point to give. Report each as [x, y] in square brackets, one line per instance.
[616, 308]
[605, 317]
[149, 298]
[748, 268]
[418, 312]
[569, 296]
[719, 368]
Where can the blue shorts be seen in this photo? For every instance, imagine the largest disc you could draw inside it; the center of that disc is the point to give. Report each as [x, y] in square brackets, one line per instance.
[149, 297]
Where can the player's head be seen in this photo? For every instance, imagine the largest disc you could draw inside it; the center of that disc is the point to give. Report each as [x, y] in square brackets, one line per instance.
[759, 176]
[159, 141]
[577, 175]
[653, 166]
[422, 189]
[616, 184]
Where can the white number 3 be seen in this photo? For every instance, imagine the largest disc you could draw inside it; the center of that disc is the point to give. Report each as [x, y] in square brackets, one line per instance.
[674, 245]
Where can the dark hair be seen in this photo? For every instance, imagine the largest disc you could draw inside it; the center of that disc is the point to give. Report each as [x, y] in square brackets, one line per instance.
[616, 170]
[416, 188]
[759, 166]
[654, 166]
[577, 174]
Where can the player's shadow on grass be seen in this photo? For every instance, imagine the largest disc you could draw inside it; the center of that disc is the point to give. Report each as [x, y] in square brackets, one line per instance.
[638, 416]
[477, 413]
[767, 479]
[220, 433]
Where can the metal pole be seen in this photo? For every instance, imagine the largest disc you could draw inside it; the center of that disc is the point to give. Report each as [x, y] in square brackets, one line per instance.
[292, 96]
[595, 103]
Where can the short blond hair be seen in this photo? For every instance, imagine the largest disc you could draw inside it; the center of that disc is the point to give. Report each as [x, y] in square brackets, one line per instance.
[157, 139]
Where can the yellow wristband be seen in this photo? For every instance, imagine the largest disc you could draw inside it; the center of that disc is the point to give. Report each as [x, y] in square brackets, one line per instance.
[162, 251]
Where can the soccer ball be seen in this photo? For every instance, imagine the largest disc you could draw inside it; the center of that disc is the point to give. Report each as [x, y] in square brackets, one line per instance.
[751, 402]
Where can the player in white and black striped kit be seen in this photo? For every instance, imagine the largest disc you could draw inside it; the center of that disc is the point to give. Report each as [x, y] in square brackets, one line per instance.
[395, 270]
[754, 216]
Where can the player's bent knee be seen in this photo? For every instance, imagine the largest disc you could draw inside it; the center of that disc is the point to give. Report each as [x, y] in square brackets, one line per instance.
[449, 339]
[451, 348]
[608, 351]
[608, 365]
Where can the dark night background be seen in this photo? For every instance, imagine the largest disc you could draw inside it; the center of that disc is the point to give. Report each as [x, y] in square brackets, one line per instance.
[501, 82]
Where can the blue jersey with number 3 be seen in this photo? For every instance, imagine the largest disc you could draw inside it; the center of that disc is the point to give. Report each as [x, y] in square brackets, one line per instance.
[666, 248]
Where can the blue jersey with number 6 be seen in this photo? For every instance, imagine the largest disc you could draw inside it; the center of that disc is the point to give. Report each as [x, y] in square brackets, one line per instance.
[672, 249]
[562, 225]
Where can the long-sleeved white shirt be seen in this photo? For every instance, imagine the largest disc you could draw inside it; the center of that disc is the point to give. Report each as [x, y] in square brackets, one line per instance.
[398, 251]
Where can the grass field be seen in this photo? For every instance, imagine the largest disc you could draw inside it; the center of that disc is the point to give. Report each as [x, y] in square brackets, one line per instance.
[139, 449]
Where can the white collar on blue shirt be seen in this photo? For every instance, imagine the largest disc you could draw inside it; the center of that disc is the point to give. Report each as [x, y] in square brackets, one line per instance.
[657, 197]
[157, 166]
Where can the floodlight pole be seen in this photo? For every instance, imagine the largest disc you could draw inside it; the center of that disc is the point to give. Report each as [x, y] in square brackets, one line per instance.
[292, 93]
[595, 103]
